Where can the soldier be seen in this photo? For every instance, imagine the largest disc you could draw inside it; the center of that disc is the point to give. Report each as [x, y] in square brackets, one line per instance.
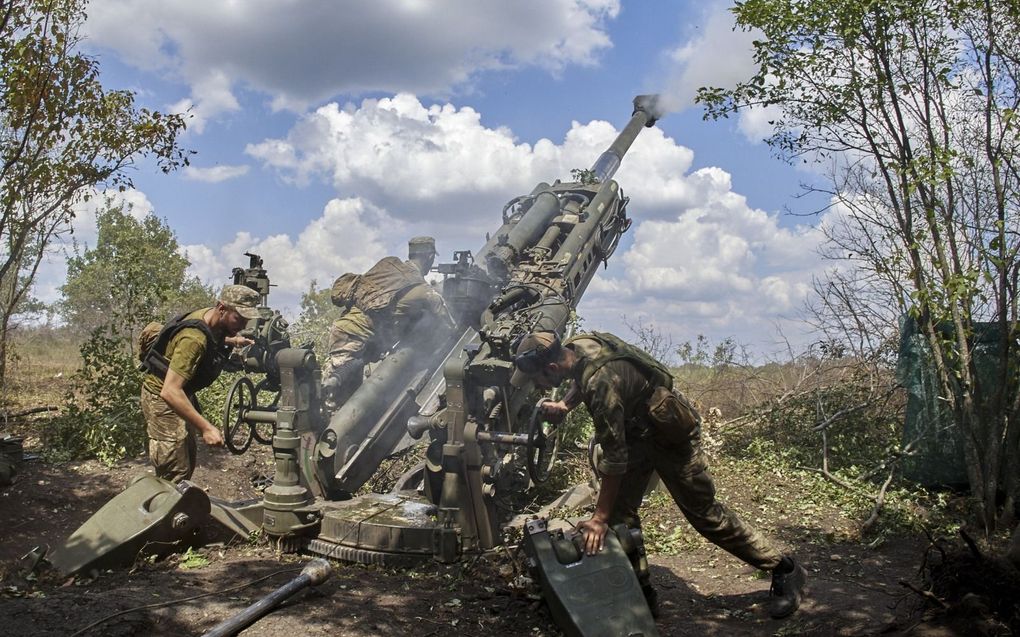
[381, 306]
[644, 425]
[187, 355]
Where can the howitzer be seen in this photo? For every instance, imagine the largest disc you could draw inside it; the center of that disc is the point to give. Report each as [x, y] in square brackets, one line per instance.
[549, 248]
[487, 441]
[488, 444]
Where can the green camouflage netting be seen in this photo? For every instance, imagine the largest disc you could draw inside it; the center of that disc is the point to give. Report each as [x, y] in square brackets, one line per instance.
[939, 458]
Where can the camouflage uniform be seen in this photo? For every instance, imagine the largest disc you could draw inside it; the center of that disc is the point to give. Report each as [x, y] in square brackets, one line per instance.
[366, 335]
[172, 443]
[362, 335]
[197, 353]
[617, 395]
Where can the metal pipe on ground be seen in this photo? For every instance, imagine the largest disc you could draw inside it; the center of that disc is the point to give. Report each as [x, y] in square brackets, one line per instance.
[314, 573]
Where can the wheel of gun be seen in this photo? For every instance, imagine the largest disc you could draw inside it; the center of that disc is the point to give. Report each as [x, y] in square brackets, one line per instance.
[238, 432]
[543, 444]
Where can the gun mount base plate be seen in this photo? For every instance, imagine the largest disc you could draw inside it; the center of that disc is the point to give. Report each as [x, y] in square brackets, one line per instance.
[384, 529]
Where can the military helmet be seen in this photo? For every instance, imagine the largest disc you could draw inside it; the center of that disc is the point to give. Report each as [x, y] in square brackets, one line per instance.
[421, 245]
[532, 353]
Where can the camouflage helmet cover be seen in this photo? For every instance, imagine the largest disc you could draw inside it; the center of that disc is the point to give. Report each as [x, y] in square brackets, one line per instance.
[532, 353]
[421, 245]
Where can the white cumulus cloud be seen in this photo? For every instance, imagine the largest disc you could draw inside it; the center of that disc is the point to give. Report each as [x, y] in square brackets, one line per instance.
[349, 236]
[301, 52]
[439, 163]
[215, 174]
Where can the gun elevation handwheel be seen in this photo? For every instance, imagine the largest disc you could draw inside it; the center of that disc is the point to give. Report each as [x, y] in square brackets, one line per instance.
[543, 444]
[238, 432]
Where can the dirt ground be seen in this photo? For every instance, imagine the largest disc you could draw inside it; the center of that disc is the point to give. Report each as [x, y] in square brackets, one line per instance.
[853, 588]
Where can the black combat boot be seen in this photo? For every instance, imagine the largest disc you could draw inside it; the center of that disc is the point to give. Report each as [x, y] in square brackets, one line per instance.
[787, 588]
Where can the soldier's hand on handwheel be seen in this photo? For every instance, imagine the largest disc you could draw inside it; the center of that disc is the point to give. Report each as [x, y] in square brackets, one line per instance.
[238, 341]
[555, 411]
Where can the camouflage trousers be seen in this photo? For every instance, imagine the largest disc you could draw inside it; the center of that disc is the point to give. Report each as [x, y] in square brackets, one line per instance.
[173, 447]
[684, 471]
[349, 336]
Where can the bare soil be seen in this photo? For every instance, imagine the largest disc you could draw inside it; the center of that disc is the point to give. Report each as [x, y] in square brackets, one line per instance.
[853, 587]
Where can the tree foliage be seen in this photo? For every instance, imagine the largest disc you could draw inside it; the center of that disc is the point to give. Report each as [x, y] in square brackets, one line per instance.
[910, 107]
[103, 418]
[134, 274]
[317, 315]
[61, 135]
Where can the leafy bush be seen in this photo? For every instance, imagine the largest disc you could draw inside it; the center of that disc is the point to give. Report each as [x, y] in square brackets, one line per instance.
[312, 326]
[101, 418]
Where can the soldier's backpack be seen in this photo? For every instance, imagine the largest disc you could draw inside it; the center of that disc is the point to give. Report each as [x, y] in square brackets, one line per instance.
[672, 416]
[614, 348]
[147, 338]
[376, 289]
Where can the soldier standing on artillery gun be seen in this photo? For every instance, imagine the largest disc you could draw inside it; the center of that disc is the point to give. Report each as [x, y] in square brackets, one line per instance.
[644, 425]
[184, 356]
[380, 308]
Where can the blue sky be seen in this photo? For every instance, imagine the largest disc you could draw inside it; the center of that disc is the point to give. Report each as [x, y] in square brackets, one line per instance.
[327, 133]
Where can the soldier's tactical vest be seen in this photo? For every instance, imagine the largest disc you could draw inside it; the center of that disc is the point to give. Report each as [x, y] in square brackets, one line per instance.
[673, 418]
[376, 289]
[210, 365]
[614, 349]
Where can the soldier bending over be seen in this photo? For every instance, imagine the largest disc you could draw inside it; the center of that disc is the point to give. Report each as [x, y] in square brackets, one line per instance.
[644, 425]
[187, 355]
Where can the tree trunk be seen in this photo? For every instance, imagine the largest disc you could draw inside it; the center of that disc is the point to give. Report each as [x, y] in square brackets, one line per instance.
[4, 343]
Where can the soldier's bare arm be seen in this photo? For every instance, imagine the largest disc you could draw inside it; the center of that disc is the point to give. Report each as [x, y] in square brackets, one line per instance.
[174, 395]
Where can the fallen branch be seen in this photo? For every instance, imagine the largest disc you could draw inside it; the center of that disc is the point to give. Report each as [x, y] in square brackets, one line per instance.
[833, 479]
[822, 426]
[928, 595]
[6, 416]
[972, 545]
[879, 501]
[825, 469]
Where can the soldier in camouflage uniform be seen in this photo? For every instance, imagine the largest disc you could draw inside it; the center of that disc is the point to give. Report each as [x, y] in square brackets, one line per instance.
[188, 355]
[644, 425]
[381, 306]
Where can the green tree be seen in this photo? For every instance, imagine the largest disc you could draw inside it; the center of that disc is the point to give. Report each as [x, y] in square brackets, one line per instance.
[62, 134]
[134, 274]
[910, 108]
[312, 325]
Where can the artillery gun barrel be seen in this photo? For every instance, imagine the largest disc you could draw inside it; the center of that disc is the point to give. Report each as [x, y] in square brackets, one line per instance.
[499, 252]
[316, 572]
[646, 112]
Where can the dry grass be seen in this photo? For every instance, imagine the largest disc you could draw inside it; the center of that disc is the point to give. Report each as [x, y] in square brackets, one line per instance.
[42, 363]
